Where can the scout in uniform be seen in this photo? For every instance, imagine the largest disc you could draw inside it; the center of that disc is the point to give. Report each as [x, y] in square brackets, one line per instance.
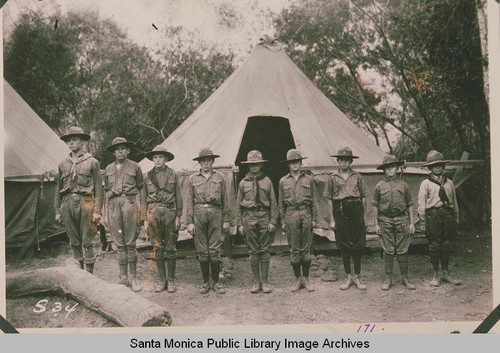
[79, 197]
[438, 208]
[298, 211]
[346, 193]
[206, 210]
[124, 182]
[393, 220]
[164, 210]
[257, 215]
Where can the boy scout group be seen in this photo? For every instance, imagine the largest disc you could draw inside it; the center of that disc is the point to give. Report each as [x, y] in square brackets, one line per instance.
[155, 200]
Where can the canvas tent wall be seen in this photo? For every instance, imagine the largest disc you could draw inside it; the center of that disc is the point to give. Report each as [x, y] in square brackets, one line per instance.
[31, 148]
[270, 105]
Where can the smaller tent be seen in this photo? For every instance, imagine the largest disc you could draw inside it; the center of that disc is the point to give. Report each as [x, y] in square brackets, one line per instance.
[31, 149]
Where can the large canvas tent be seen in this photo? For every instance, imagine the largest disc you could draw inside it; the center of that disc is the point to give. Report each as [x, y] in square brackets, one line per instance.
[31, 149]
[269, 104]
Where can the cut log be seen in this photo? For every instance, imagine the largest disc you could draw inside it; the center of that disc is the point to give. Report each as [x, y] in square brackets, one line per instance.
[113, 301]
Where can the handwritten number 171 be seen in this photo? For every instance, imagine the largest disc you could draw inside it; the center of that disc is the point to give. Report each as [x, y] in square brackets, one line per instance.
[367, 327]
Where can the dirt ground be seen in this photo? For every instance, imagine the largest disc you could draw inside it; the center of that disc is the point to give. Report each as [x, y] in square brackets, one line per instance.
[472, 301]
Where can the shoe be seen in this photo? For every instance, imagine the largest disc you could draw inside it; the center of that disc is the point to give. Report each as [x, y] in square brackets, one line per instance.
[446, 278]
[161, 286]
[266, 287]
[307, 285]
[255, 288]
[357, 281]
[221, 275]
[205, 288]
[123, 280]
[172, 286]
[296, 285]
[387, 283]
[134, 283]
[407, 283]
[435, 280]
[218, 288]
[348, 283]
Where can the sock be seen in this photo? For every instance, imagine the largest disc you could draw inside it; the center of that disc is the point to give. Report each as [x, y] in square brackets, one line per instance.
[205, 271]
[434, 255]
[403, 264]
[445, 259]
[296, 269]
[346, 260]
[356, 258]
[215, 270]
[306, 264]
[389, 263]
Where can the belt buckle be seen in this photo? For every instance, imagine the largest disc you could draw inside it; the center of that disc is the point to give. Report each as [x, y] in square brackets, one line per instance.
[123, 195]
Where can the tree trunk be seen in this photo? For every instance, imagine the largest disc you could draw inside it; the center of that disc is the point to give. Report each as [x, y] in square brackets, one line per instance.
[113, 301]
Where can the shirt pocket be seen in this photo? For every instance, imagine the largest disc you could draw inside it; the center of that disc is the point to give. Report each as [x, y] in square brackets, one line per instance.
[129, 178]
[65, 176]
[170, 186]
[215, 190]
[110, 179]
[150, 188]
[84, 176]
[247, 192]
[306, 189]
[199, 188]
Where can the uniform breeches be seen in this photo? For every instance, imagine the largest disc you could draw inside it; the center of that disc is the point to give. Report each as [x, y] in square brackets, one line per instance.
[161, 228]
[124, 217]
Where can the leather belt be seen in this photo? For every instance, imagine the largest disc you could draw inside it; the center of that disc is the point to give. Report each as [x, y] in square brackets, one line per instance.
[206, 205]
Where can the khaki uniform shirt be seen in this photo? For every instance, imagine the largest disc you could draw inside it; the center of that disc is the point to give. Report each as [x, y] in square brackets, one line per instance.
[428, 196]
[207, 191]
[82, 177]
[297, 193]
[247, 195]
[392, 197]
[170, 189]
[339, 188]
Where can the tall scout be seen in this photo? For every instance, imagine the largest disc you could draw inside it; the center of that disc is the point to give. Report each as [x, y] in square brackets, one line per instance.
[257, 215]
[164, 210]
[298, 213]
[346, 193]
[206, 210]
[393, 220]
[79, 197]
[123, 182]
[438, 207]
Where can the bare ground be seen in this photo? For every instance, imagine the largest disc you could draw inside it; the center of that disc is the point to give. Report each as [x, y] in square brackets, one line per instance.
[471, 301]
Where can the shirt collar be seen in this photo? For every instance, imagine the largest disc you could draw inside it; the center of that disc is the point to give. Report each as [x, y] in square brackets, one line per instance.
[337, 172]
[390, 178]
[161, 169]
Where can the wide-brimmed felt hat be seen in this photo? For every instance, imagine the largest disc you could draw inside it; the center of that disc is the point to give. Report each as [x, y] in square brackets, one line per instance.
[435, 157]
[345, 152]
[293, 155]
[118, 141]
[159, 150]
[205, 153]
[254, 157]
[75, 131]
[388, 160]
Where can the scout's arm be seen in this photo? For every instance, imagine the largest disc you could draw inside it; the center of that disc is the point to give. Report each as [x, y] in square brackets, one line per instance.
[375, 218]
[98, 191]
[422, 197]
[328, 194]
[190, 207]
[141, 188]
[330, 210]
[363, 191]
[225, 206]
[409, 205]
[239, 197]
[281, 205]
[57, 197]
[179, 203]
[314, 206]
[455, 202]
[376, 203]
[274, 207]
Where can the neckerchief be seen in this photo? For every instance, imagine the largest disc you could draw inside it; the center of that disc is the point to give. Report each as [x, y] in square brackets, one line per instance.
[154, 179]
[80, 159]
[442, 193]
[259, 176]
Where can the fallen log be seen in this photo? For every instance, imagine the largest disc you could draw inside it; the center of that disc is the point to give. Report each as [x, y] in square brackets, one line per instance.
[113, 301]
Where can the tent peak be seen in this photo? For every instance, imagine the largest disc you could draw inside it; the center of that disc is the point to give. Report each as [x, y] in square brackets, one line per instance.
[270, 43]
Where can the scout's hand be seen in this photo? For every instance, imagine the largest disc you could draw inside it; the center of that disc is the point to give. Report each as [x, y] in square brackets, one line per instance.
[96, 218]
[332, 224]
[190, 229]
[58, 218]
[177, 223]
[271, 228]
[225, 227]
[412, 228]
[241, 230]
[377, 229]
[313, 224]
[283, 226]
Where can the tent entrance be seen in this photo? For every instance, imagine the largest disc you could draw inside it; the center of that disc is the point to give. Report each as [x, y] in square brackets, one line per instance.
[271, 135]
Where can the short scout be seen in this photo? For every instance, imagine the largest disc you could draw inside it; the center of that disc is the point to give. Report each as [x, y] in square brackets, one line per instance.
[438, 208]
[207, 208]
[79, 197]
[124, 182]
[393, 213]
[257, 215]
[164, 210]
[298, 211]
[346, 192]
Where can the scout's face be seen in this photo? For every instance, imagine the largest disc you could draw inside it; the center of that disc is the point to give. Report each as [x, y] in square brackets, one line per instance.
[75, 143]
[255, 168]
[437, 169]
[344, 163]
[206, 164]
[295, 166]
[159, 160]
[390, 170]
[121, 153]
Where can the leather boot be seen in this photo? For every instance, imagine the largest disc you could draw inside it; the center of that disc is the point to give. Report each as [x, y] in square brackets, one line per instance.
[264, 271]
[307, 285]
[219, 288]
[387, 283]
[90, 268]
[171, 263]
[357, 281]
[256, 277]
[134, 282]
[205, 288]
[205, 272]
[296, 284]
[446, 278]
[348, 283]
[123, 275]
[435, 280]
[162, 284]
[406, 281]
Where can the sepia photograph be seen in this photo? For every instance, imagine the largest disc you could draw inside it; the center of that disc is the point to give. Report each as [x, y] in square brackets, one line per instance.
[216, 163]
